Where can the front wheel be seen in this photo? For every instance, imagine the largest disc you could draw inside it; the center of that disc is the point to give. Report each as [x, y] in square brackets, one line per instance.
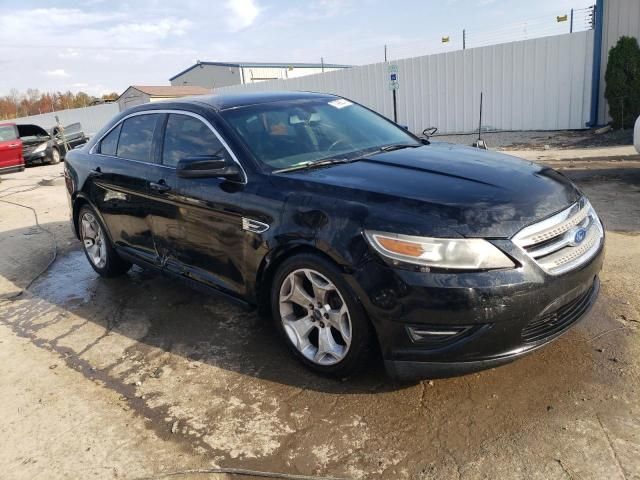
[319, 317]
[55, 157]
[97, 246]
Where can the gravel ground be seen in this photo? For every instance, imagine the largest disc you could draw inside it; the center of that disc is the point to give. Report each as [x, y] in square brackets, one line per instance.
[564, 139]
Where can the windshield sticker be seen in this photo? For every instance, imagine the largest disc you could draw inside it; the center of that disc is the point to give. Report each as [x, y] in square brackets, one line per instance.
[340, 103]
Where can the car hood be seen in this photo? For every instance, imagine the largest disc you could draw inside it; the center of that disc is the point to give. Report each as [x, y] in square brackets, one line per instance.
[453, 189]
[33, 134]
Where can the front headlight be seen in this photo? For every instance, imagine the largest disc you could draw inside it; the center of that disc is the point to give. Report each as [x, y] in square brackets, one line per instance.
[40, 148]
[450, 253]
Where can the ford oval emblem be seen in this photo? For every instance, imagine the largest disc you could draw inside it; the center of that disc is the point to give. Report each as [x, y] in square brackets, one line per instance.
[579, 236]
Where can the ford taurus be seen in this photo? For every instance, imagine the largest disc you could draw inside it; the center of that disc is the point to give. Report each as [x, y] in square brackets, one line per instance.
[358, 237]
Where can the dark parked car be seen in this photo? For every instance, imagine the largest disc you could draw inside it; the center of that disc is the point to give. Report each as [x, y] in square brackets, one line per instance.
[49, 147]
[10, 149]
[357, 235]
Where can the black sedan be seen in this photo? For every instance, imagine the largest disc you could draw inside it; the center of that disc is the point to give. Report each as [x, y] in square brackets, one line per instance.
[356, 235]
[41, 146]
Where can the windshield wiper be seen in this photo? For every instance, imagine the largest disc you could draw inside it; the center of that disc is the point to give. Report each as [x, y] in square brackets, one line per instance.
[316, 163]
[334, 161]
[398, 146]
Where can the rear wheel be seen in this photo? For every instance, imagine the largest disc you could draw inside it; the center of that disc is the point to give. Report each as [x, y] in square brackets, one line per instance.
[319, 317]
[97, 246]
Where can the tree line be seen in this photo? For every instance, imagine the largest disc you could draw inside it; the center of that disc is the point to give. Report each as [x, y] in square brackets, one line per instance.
[33, 102]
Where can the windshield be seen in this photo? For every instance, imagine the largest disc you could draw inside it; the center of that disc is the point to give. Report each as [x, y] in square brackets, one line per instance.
[285, 134]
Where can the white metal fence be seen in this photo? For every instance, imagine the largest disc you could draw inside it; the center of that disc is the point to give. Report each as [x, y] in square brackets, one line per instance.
[92, 118]
[538, 84]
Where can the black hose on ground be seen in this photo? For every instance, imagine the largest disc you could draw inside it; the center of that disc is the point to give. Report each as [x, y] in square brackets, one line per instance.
[54, 253]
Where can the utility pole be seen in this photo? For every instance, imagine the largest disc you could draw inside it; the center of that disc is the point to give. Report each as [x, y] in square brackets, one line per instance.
[385, 53]
[322, 63]
[571, 22]
[464, 39]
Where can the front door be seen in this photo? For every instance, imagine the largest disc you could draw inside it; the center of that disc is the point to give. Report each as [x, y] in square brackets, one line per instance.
[206, 242]
[10, 148]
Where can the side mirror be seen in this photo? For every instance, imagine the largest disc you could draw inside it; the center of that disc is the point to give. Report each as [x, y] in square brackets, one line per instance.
[429, 132]
[207, 166]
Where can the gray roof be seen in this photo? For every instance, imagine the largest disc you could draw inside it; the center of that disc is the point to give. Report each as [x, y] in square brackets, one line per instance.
[263, 65]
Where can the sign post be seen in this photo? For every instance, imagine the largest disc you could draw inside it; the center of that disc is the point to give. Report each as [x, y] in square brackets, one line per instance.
[394, 84]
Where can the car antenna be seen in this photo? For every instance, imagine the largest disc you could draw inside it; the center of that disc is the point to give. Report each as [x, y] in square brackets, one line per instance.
[480, 143]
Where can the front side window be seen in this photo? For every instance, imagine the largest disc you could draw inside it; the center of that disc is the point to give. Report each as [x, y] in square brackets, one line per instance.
[136, 137]
[109, 144]
[8, 133]
[288, 133]
[186, 136]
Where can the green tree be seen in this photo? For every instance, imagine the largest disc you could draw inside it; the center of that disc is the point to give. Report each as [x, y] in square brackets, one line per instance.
[622, 79]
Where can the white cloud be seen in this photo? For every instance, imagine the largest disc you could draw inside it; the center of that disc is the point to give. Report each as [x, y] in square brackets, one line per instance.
[57, 73]
[244, 13]
[68, 54]
[80, 85]
[137, 33]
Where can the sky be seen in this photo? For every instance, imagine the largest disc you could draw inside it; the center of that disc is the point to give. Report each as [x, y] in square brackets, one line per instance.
[100, 46]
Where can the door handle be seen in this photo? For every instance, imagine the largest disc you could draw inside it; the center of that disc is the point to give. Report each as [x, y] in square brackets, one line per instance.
[160, 186]
[14, 145]
[97, 172]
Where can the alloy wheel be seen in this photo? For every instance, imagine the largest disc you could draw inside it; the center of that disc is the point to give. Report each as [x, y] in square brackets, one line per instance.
[93, 240]
[315, 317]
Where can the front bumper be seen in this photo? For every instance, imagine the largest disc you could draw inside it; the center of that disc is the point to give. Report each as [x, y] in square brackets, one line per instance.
[498, 315]
[30, 158]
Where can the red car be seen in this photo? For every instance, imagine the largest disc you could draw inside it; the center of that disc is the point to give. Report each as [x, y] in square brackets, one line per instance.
[11, 159]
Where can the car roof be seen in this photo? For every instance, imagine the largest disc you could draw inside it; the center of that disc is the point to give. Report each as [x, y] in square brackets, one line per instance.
[235, 100]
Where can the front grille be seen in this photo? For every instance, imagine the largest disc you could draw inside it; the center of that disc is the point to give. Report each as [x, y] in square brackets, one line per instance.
[556, 322]
[564, 241]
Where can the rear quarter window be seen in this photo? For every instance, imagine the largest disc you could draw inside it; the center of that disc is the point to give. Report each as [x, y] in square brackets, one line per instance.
[109, 144]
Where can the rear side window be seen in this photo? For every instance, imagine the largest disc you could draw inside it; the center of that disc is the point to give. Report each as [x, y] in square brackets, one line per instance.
[186, 136]
[136, 137]
[7, 133]
[109, 144]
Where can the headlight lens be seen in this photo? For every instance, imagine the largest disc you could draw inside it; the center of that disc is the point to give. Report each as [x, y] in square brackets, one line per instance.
[40, 148]
[451, 253]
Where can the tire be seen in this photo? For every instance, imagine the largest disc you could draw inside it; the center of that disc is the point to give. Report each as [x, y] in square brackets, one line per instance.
[103, 259]
[348, 334]
[55, 157]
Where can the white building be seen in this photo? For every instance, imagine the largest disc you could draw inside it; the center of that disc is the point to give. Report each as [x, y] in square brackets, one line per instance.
[223, 74]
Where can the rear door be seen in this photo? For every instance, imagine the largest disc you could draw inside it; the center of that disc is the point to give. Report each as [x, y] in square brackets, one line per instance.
[10, 147]
[121, 177]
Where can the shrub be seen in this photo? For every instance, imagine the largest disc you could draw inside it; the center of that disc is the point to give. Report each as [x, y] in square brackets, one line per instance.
[622, 79]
